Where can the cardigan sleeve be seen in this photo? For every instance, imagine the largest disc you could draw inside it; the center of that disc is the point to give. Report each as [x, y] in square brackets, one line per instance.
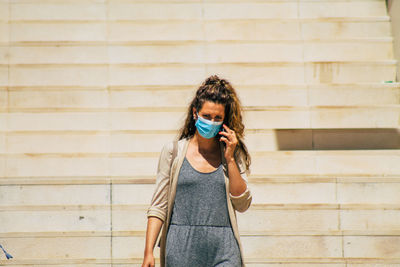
[242, 202]
[159, 202]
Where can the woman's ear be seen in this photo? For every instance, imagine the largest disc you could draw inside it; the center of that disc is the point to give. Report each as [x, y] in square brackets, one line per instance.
[194, 113]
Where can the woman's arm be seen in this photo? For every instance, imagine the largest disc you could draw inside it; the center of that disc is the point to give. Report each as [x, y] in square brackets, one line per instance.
[157, 211]
[239, 192]
[154, 225]
[237, 185]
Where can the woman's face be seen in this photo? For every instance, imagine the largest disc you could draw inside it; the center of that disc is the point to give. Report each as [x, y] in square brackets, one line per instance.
[211, 111]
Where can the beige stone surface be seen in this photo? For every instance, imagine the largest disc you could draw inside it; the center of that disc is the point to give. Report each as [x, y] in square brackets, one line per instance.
[3, 121]
[4, 78]
[354, 162]
[57, 75]
[254, 10]
[370, 220]
[294, 193]
[155, 98]
[4, 10]
[292, 246]
[333, 51]
[71, 120]
[129, 219]
[58, 10]
[59, 143]
[3, 55]
[371, 246]
[26, 195]
[129, 247]
[3, 98]
[128, 10]
[317, 9]
[360, 117]
[275, 221]
[58, 99]
[2, 166]
[171, 30]
[48, 32]
[55, 220]
[371, 28]
[158, 74]
[377, 193]
[50, 166]
[346, 72]
[59, 54]
[3, 143]
[375, 162]
[5, 32]
[257, 30]
[353, 94]
[60, 248]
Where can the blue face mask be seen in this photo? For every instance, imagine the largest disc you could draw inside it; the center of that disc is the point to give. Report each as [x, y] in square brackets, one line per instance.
[208, 129]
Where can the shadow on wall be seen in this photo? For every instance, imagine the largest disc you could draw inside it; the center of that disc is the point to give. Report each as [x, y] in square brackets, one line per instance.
[393, 8]
[338, 139]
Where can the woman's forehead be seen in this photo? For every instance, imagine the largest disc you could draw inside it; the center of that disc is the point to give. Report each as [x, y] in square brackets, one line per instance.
[212, 107]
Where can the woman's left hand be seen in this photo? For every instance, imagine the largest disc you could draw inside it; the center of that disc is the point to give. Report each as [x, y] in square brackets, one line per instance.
[229, 137]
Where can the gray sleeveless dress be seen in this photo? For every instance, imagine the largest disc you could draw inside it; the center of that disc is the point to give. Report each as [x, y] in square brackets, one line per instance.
[200, 233]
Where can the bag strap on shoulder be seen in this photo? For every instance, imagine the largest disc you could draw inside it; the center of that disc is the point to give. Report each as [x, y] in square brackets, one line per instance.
[174, 151]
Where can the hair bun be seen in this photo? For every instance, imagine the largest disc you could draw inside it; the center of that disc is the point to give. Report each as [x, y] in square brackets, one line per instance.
[214, 79]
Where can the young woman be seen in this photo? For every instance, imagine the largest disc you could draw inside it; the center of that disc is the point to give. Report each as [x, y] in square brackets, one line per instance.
[199, 190]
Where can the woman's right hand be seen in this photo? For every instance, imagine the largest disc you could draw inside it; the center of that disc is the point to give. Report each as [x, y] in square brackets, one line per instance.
[153, 229]
[148, 260]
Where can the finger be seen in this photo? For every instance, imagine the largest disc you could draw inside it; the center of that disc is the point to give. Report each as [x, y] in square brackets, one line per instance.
[223, 133]
[226, 127]
[224, 139]
[227, 135]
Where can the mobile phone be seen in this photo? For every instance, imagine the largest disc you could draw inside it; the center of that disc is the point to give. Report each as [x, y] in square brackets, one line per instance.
[220, 135]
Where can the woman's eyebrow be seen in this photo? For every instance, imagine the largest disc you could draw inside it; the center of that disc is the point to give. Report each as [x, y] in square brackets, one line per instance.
[216, 116]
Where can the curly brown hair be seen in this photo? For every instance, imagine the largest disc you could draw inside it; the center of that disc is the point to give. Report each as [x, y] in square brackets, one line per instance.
[219, 91]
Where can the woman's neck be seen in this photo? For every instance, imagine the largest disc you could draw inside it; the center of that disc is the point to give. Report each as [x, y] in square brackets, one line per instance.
[205, 145]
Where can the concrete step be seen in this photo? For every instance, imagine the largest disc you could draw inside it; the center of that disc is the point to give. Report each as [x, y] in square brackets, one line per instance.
[279, 193]
[65, 32]
[256, 262]
[143, 164]
[170, 118]
[328, 219]
[141, 10]
[135, 142]
[179, 95]
[251, 73]
[381, 184]
[150, 179]
[249, 29]
[199, 52]
[278, 248]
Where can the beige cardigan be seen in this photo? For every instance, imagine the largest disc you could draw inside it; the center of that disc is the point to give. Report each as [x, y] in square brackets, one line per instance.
[164, 196]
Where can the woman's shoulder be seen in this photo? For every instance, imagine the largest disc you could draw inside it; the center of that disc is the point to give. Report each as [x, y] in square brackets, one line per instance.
[169, 145]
